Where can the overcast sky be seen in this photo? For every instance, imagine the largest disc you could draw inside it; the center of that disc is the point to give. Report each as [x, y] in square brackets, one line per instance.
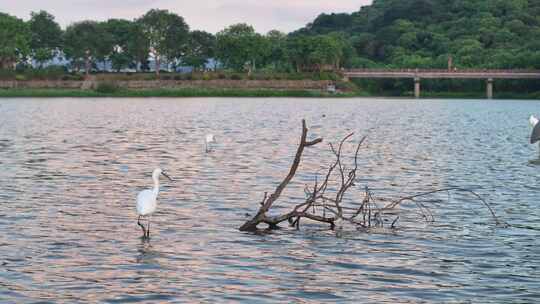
[209, 15]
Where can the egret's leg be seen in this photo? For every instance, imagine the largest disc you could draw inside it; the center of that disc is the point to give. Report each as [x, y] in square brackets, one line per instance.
[148, 228]
[141, 225]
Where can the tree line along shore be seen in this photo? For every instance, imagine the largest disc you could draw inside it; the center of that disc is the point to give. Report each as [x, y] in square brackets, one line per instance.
[387, 34]
[160, 40]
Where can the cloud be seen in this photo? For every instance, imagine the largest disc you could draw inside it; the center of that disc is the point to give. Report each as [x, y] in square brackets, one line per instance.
[209, 15]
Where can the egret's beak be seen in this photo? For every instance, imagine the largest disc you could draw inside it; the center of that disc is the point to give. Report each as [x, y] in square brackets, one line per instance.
[164, 174]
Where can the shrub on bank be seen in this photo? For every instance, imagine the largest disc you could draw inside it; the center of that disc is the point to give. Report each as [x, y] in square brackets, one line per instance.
[47, 73]
[53, 72]
[346, 86]
[72, 77]
[149, 77]
[107, 87]
[7, 74]
[295, 76]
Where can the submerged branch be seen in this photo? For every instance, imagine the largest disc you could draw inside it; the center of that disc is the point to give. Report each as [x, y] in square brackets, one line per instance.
[251, 225]
[399, 201]
[322, 199]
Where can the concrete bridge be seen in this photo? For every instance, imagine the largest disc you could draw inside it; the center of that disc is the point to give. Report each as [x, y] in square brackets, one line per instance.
[418, 74]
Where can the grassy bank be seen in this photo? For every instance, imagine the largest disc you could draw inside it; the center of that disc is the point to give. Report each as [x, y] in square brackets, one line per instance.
[197, 92]
[187, 92]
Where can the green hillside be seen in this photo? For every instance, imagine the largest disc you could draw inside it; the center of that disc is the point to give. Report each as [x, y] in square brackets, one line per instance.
[498, 34]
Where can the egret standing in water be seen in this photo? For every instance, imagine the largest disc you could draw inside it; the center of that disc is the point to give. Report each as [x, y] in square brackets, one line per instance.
[147, 201]
[535, 135]
[208, 142]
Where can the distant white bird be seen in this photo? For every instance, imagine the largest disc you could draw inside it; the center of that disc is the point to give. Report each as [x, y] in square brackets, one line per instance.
[533, 120]
[535, 135]
[147, 201]
[208, 142]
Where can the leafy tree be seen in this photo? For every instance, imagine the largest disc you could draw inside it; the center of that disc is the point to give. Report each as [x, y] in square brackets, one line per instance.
[365, 44]
[200, 48]
[138, 46]
[46, 41]
[517, 26]
[277, 56]
[120, 33]
[327, 50]
[299, 48]
[361, 63]
[84, 42]
[239, 46]
[408, 40]
[15, 40]
[318, 52]
[469, 52]
[106, 44]
[327, 23]
[167, 34]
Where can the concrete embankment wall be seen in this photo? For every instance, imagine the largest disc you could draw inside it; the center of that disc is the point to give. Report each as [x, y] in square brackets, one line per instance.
[172, 84]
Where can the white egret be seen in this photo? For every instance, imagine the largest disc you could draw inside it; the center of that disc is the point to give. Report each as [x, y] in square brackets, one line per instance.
[208, 141]
[147, 201]
[533, 120]
[535, 135]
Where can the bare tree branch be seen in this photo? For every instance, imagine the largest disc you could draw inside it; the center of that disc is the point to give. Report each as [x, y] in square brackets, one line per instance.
[322, 200]
[251, 225]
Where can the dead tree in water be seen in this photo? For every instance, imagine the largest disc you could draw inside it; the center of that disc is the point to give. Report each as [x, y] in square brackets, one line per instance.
[267, 202]
[325, 204]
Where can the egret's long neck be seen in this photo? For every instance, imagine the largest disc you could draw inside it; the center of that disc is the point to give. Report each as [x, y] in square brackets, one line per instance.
[156, 186]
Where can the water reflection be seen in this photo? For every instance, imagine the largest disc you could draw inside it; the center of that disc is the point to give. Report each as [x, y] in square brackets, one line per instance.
[146, 253]
[71, 170]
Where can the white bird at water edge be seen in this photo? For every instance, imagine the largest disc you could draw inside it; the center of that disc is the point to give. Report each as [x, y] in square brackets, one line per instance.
[533, 120]
[208, 141]
[147, 201]
[535, 135]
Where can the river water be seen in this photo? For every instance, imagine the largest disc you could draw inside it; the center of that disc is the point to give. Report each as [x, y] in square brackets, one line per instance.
[71, 169]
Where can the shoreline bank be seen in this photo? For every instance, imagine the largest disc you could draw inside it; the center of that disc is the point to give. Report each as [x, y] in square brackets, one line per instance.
[183, 92]
[192, 92]
[101, 86]
[233, 92]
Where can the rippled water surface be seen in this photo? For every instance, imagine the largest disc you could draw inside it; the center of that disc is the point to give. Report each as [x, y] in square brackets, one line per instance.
[71, 168]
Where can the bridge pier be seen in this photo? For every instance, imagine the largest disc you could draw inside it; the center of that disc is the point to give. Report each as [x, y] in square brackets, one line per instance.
[489, 88]
[417, 87]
